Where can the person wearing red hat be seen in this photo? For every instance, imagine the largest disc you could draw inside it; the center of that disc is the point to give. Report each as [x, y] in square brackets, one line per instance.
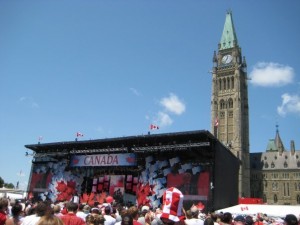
[172, 209]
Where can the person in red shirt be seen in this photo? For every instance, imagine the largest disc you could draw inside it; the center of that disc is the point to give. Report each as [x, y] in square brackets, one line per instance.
[70, 218]
[3, 210]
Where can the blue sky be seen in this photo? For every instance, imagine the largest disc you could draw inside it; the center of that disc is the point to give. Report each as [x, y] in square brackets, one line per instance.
[111, 68]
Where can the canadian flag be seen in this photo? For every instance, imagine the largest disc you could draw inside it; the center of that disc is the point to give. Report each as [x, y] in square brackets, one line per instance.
[244, 208]
[78, 134]
[154, 127]
[216, 122]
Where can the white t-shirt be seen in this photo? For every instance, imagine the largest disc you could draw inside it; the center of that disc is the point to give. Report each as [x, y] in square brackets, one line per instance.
[109, 220]
[30, 220]
[194, 221]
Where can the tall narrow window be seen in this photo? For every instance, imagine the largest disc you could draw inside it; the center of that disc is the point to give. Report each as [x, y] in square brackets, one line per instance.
[228, 83]
[224, 83]
[230, 103]
[275, 198]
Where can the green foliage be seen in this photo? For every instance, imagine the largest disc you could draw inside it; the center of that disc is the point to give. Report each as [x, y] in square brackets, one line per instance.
[10, 185]
[1, 182]
[6, 185]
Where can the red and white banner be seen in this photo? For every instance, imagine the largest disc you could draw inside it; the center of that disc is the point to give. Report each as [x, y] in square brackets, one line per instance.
[126, 159]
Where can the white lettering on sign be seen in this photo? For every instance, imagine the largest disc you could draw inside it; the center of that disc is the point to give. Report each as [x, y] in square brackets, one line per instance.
[102, 160]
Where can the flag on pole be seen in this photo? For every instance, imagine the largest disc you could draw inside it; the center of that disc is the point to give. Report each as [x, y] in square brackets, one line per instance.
[154, 127]
[216, 122]
[78, 134]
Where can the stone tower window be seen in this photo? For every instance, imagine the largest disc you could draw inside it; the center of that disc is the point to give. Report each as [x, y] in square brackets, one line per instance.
[232, 82]
[266, 165]
[265, 158]
[285, 164]
[230, 103]
[297, 156]
[298, 163]
[224, 84]
[275, 157]
[228, 83]
[222, 104]
[298, 199]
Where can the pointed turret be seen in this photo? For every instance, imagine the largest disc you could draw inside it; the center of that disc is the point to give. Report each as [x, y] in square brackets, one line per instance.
[292, 147]
[228, 39]
[215, 59]
[278, 141]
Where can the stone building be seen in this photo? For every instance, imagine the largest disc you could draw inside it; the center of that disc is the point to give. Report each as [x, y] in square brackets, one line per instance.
[229, 101]
[275, 173]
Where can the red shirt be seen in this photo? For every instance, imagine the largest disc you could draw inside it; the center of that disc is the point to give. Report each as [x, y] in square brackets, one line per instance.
[72, 219]
[3, 217]
[135, 222]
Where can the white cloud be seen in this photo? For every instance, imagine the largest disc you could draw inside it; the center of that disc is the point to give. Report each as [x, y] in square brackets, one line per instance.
[290, 104]
[29, 102]
[163, 119]
[271, 74]
[173, 104]
[135, 92]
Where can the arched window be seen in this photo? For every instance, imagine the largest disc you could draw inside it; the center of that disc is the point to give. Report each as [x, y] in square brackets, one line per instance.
[275, 198]
[230, 103]
[272, 165]
[266, 165]
[228, 83]
[285, 164]
[298, 199]
[264, 198]
[224, 83]
[220, 84]
[232, 82]
[222, 104]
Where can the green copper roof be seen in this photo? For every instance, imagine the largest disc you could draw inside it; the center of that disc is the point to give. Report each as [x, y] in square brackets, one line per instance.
[229, 36]
[271, 146]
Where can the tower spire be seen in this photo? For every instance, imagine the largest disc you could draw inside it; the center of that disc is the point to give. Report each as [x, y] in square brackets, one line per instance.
[278, 141]
[228, 39]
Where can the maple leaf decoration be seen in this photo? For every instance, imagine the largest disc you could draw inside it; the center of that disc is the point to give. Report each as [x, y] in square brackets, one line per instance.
[130, 159]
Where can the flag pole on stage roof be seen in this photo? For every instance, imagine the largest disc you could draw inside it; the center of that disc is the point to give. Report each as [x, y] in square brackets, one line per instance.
[153, 127]
[78, 134]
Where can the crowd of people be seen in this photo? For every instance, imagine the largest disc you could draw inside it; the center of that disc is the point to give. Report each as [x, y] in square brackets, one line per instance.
[171, 212]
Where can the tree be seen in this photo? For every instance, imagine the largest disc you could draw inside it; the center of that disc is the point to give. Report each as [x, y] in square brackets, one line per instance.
[10, 185]
[1, 182]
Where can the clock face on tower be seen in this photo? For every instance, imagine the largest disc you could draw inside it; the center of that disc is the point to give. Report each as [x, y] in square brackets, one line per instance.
[226, 59]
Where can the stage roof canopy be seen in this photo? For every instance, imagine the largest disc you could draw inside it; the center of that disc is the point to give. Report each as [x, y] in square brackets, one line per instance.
[135, 143]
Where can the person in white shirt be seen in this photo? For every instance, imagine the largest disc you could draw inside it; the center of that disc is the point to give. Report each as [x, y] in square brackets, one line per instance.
[195, 217]
[80, 212]
[40, 210]
[109, 220]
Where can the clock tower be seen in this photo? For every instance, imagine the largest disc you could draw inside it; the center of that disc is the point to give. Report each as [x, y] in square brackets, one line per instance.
[229, 101]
